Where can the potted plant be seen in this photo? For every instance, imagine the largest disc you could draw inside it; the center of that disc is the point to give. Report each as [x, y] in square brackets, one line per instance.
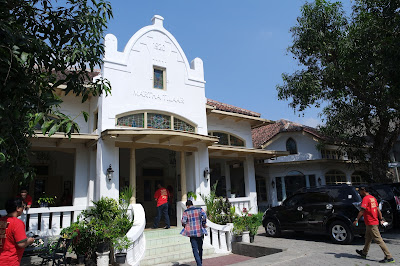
[191, 195]
[121, 245]
[233, 193]
[45, 201]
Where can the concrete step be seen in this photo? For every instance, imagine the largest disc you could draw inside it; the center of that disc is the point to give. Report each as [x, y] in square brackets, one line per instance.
[165, 246]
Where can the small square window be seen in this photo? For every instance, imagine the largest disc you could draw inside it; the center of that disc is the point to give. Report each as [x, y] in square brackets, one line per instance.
[158, 78]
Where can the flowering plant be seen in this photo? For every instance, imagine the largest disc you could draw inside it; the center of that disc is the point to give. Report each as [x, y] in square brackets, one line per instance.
[246, 222]
[44, 199]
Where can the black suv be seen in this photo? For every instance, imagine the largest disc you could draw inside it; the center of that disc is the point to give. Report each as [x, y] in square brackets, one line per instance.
[390, 193]
[327, 209]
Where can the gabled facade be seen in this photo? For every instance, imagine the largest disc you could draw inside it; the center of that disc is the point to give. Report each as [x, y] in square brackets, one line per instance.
[305, 166]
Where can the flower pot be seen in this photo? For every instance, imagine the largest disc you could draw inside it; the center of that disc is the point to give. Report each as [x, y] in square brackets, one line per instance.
[44, 204]
[246, 237]
[251, 238]
[120, 258]
[233, 195]
[103, 247]
[81, 259]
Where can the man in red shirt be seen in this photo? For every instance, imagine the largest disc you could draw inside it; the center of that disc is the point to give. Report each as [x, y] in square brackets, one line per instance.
[26, 198]
[161, 196]
[372, 215]
[13, 238]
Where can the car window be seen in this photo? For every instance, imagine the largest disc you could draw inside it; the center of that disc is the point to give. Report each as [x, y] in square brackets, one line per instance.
[294, 200]
[313, 198]
[385, 193]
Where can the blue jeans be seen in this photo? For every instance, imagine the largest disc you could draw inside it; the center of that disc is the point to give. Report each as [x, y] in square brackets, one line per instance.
[162, 210]
[197, 247]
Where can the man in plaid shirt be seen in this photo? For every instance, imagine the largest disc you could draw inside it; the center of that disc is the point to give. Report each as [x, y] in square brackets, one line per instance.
[194, 223]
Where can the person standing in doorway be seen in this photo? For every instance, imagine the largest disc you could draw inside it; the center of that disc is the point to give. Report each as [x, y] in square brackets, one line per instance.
[26, 198]
[13, 239]
[372, 217]
[161, 197]
[194, 222]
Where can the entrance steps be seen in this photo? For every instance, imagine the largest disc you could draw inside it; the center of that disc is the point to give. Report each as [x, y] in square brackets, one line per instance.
[168, 245]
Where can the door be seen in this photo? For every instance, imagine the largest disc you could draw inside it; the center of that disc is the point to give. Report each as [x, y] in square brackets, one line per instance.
[317, 208]
[291, 215]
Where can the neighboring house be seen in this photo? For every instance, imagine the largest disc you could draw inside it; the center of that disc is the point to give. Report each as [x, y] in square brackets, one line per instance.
[305, 166]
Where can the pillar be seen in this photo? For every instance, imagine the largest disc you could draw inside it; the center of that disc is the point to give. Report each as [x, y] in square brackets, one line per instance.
[183, 177]
[132, 174]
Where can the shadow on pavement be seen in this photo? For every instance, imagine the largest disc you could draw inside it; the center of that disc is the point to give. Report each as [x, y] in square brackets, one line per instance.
[351, 256]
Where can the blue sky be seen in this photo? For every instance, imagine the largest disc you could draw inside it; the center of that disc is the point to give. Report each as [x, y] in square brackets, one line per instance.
[242, 44]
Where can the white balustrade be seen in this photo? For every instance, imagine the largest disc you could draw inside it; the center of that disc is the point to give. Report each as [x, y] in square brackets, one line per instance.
[136, 251]
[240, 203]
[218, 236]
[38, 220]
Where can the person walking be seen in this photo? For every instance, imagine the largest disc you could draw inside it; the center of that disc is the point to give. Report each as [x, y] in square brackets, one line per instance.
[194, 223]
[13, 239]
[372, 218]
[161, 196]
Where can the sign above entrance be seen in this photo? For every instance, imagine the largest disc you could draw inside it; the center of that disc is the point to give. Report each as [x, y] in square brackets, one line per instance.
[158, 97]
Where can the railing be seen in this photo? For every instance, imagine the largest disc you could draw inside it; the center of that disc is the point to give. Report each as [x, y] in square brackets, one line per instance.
[49, 221]
[219, 236]
[137, 250]
[240, 203]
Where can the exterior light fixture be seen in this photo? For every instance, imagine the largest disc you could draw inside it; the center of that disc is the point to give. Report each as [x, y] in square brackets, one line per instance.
[319, 181]
[273, 184]
[110, 173]
[206, 173]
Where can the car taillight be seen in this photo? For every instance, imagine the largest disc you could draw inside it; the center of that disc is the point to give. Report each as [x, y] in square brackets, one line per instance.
[357, 205]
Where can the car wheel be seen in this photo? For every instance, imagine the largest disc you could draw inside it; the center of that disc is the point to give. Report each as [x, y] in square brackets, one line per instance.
[340, 233]
[272, 228]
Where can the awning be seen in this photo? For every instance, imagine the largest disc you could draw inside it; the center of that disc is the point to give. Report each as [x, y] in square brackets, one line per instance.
[157, 138]
[254, 121]
[58, 139]
[232, 152]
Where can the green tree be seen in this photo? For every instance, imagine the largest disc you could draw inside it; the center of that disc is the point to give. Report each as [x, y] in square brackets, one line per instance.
[349, 64]
[44, 44]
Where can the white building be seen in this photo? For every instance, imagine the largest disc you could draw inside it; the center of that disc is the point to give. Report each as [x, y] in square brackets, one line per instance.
[306, 166]
[157, 126]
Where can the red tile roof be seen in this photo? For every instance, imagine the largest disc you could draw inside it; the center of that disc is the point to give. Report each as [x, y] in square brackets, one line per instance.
[230, 108]
[93, 74]
[263, 134]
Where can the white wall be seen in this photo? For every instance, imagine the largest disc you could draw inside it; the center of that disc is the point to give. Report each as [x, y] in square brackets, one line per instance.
[242, 129]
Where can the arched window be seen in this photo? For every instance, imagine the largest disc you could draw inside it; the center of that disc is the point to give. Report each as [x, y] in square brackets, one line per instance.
[291, 146]
[335, 177]
[359, 177]
[155, 120]
[227, 139]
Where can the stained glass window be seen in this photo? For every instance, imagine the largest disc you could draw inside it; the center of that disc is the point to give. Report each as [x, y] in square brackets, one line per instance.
[158, 78]
[223, 138]
[182, 125]
[236, 141]
[135, 120]
[158, 121]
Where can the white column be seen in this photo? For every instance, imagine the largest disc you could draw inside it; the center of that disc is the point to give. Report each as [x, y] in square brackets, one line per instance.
[250, 182]
[81, 181]
[107, 154]
[92, 177]
[183, 177]
[132, 174]
[348, 177]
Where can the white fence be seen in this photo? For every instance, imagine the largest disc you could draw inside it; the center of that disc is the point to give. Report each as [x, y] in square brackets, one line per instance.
[49, 221]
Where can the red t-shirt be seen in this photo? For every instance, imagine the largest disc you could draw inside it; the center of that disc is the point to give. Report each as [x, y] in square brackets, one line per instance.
[161, 196]
[370, 206]
[27, 200]
[12, 231]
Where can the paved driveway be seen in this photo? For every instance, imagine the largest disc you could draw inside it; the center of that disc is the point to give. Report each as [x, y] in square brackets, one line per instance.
[307, 249]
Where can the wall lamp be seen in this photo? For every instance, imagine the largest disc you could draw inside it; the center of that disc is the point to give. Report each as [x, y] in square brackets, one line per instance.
[319, 181]
[110, 173]
[273, 184]
[206, 173]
